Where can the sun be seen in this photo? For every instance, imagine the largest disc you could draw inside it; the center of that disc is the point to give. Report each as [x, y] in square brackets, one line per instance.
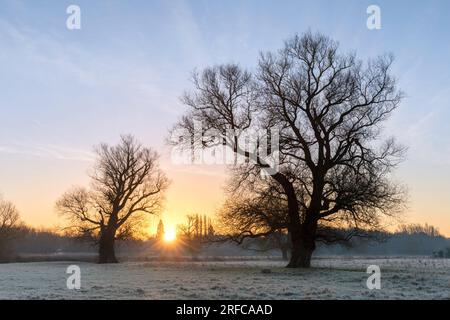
[170, 235]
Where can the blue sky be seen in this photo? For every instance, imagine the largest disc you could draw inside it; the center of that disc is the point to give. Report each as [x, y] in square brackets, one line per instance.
[63, 91]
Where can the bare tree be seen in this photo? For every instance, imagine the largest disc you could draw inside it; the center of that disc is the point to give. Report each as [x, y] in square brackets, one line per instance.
[10, 225]
[126, 184]
[195, 233]
[328, 107]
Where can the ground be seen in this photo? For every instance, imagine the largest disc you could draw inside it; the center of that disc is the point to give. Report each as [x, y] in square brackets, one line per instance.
[330, 278]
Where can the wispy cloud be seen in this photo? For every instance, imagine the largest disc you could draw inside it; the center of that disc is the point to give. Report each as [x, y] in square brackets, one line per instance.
[138, 83]
[189, 32]
[427, 136]
[46, 50]
[48, 151]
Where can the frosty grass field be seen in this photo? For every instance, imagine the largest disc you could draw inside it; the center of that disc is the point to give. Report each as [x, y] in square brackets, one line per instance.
[330, 278]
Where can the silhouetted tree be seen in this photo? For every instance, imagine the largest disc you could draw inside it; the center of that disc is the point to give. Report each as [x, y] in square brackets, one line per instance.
[328, 108]
[211, 231]
[10, 226]
[191, 236]
[160, 230]
[126, 184]
[187, 234]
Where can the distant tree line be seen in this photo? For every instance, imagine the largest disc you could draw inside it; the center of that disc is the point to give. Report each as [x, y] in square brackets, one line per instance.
[28, 242]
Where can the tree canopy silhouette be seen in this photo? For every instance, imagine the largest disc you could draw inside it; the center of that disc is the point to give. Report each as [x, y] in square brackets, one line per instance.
[329, 108]
[10, 225]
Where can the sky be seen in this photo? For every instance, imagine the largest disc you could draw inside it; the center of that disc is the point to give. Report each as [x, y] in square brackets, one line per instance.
[64, 91]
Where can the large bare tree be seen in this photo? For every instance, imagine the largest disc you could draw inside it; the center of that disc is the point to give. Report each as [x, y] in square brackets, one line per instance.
[126, 184]
[329, 108]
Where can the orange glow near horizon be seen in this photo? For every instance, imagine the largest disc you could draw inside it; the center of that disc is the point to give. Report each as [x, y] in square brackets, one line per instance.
[194, 189]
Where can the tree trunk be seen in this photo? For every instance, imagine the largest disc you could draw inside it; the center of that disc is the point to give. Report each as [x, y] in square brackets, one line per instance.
[301, 255]
[303, 246]
[106, 248]
[303, 241]
[304, 238]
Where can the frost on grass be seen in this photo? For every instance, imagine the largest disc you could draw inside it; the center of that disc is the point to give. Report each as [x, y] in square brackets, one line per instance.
[330, 278]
